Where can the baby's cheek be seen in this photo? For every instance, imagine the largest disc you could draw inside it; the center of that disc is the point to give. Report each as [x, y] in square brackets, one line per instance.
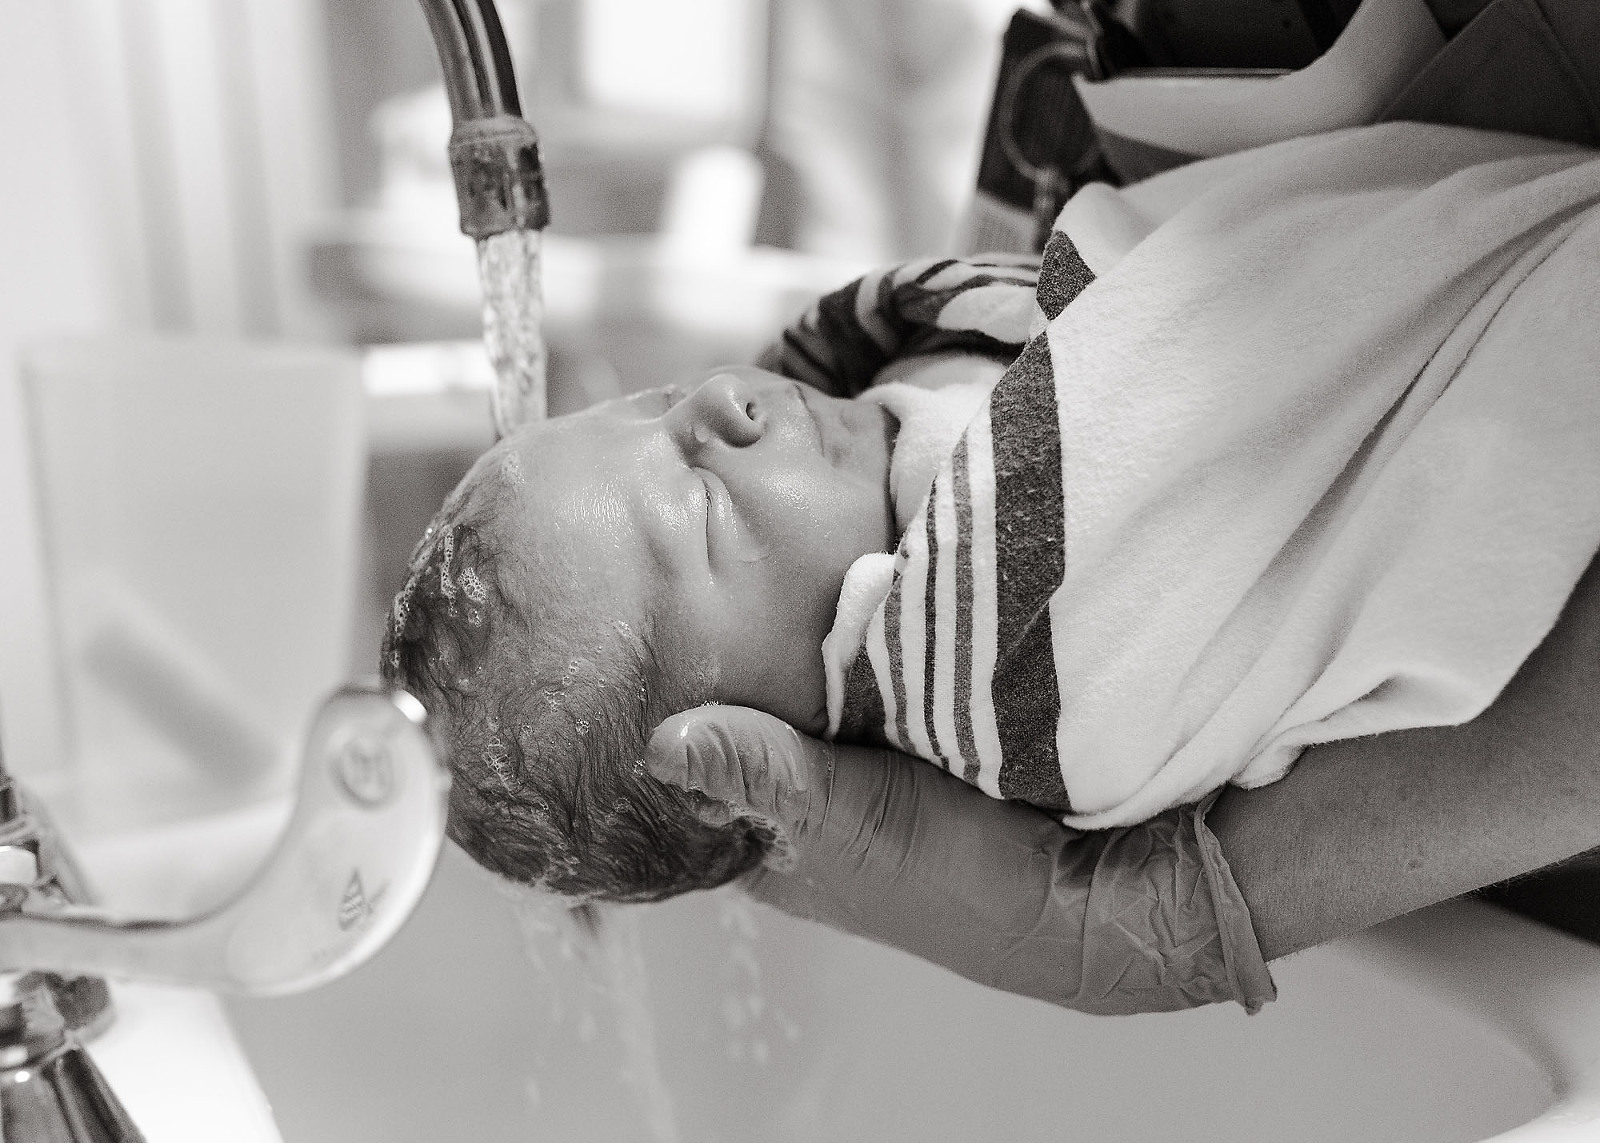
[818, 518]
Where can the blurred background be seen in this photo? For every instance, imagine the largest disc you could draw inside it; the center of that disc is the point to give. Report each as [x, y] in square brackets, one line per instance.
[275, 170]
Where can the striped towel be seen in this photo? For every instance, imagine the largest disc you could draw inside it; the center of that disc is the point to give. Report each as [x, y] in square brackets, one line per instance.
[1316, 455]
[982, 305]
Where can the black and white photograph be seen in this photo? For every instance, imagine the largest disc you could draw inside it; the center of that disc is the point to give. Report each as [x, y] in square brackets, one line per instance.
[799, 571]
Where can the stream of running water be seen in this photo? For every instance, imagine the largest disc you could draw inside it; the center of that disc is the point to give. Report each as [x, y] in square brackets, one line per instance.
[509, 268]
[598, 976]
[610, 961]
[601, 973]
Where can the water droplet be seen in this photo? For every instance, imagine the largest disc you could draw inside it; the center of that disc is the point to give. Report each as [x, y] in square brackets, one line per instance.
[446, 584]
[512, 469]
[639, 768]
[473, 586]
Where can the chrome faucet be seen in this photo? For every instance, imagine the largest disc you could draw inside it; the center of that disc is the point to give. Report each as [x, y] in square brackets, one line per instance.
[353, 862]
[494, 151]
[499, 177]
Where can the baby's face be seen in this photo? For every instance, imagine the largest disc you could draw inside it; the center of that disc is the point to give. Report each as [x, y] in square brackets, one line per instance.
[725, 515]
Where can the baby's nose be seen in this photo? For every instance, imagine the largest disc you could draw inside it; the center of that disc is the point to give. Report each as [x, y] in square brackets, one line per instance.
[730, 408]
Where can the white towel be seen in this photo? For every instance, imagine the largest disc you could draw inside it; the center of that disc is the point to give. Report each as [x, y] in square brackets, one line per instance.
[930, 423]
[1327, 465]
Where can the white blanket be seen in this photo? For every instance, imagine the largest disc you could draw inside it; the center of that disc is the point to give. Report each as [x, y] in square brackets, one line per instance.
[1329, 465]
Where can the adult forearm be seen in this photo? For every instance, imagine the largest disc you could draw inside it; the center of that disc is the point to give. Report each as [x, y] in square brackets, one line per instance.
[1367, 829]
[1140, 919]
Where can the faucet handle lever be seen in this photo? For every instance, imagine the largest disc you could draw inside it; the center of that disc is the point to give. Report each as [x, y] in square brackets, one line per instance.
[354, 860]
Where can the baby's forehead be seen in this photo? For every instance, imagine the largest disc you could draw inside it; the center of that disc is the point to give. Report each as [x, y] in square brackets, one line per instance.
[559, 517]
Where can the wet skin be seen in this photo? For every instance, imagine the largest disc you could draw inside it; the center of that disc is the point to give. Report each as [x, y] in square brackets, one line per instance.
[721, 516]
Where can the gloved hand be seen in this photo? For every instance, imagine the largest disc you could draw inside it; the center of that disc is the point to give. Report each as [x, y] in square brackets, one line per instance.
[1141, 919]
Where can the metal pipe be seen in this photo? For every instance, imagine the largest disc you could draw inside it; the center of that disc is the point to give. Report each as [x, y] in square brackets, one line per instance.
[494, 151]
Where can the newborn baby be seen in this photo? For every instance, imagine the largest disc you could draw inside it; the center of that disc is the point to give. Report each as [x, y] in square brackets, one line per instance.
[1317, 456]
[598, 572]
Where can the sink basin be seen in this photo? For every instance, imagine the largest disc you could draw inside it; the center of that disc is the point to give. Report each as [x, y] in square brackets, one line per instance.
[708, 1018]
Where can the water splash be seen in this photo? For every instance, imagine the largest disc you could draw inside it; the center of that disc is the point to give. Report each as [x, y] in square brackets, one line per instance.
[601, 973]
[630, 1001]
[513, 316]
[750, 1020]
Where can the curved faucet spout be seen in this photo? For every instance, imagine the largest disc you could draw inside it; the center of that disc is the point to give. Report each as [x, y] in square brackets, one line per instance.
[478, 77]
[494, 151]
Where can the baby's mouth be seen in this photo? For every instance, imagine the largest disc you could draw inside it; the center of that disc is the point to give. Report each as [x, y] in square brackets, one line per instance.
[816, 422]
[891, 430]
[891, 437]
[842, 440]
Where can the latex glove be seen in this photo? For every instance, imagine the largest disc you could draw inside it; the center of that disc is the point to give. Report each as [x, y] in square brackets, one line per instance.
[1142, 919]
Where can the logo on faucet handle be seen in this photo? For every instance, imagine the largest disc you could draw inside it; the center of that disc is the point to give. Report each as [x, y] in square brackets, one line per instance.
[355, 906]
[365, 772]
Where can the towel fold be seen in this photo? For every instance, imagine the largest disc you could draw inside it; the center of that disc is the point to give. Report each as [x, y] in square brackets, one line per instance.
[1316, 456]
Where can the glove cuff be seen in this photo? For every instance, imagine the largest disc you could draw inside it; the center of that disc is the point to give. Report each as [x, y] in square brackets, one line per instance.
[1241, 951]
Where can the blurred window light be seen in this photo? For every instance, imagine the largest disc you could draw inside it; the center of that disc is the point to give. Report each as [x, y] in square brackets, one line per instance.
[691, 59]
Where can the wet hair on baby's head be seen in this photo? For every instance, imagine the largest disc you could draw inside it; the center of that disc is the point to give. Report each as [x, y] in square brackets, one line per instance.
[542, 709]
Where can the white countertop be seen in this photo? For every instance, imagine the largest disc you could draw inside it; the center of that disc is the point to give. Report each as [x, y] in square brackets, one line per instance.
[172, 1059]
[170, 1055]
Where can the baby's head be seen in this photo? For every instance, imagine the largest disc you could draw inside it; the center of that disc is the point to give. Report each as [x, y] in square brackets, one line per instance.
[597, 573]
